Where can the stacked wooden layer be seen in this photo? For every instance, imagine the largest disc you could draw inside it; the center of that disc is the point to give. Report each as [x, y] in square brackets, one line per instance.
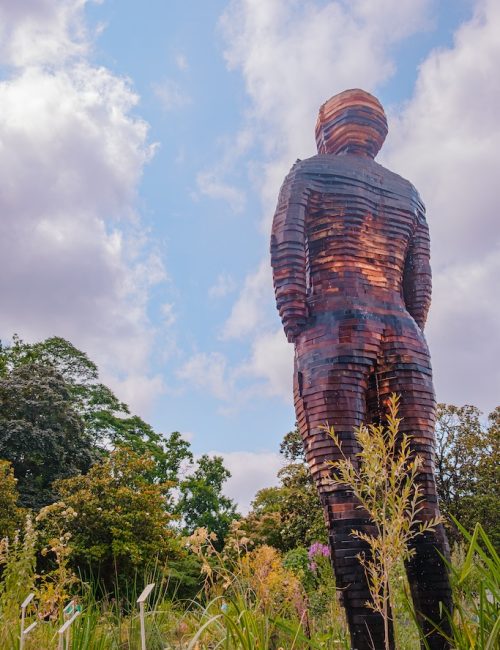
[350, 258]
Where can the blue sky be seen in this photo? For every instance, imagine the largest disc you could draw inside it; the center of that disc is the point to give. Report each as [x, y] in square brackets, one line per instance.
[143, 146]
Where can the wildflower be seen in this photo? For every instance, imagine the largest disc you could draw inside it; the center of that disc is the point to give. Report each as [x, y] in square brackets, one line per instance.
[318, 549]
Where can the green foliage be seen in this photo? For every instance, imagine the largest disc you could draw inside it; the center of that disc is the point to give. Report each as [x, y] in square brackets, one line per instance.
[202, 503]
[290, 515]
[17, 559]
[56, 419]
[256, 601]
[292, 447]
[302, 520]
[11, 516]
[93, 401]
[477, 605]
[475, 624]
[120, 523]
[468, 468]
[263, 523]
[41, 432]
[297, 560]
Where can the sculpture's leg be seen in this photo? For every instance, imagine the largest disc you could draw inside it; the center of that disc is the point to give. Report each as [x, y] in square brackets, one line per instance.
[406, 370]
[330, 388]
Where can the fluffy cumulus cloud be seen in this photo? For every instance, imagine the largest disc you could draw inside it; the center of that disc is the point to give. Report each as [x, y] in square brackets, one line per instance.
[210, 183]
[224, 285]
[213, 182]
[209, 371]
[446, 140]
[75, 259]
[42, 31]
[270, 363]
[250, 307]
[249, 472]
[265, 373]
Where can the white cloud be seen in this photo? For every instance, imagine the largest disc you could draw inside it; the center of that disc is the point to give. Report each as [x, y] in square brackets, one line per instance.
[250, 472]
[252, 306]
[272, 361]
[267, 372]
[212, 184]
[169, 316]
[210, 372]
[74, 257]
[294, 55]
[37, 32]
[171, 95]
[224, 285]
[446, 140]
[181, 61]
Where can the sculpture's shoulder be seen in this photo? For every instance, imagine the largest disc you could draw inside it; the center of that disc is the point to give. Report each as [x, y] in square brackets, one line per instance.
[400, 185]
[327, 170]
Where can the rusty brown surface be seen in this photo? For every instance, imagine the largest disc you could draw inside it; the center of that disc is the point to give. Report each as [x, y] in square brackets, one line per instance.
[352, 277]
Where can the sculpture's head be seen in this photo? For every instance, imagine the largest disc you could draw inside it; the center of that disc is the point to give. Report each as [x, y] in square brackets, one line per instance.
[351, 122]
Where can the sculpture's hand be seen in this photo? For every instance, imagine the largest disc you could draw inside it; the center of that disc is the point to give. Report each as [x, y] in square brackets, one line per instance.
[294, 328]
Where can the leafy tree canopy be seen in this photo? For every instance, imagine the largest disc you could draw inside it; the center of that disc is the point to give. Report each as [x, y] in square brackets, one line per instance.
[41, 432]
[290, 515]
[292, 448]
[119, 523]
[468, 466]
[202, 503]
[11, 516]
[98, 419]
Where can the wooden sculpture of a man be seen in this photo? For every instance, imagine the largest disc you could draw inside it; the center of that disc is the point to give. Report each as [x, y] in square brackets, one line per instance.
[350, 258]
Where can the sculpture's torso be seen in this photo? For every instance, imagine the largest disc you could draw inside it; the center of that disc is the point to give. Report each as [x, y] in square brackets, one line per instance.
[358, 223]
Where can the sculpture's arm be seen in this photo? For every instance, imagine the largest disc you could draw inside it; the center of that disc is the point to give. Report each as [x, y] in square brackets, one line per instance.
[417, 278]
[288, 254]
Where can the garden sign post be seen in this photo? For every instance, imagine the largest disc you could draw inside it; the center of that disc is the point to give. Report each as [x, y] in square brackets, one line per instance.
[141, 600]
[25, 632]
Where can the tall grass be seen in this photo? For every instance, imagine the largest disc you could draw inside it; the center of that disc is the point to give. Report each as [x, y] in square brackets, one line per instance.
[475, 624]
[251, 600]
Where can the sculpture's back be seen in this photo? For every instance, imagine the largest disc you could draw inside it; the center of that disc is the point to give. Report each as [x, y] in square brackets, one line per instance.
[350, 257]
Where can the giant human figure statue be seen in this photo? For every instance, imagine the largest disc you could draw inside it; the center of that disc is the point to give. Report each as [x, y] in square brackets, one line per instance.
[350, 258]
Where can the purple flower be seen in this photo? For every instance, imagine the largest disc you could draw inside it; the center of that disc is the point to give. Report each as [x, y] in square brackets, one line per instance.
[318, 549]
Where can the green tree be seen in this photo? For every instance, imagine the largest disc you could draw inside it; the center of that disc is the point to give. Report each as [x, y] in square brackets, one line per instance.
[468, 467]
[290, 515]
[93, 401]
[302, 521]
[41, 433]
[11, 515]
[301, 512]
[120, 523]
[202, 503]
[292, 447]
[263, 523]
[107, 421]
